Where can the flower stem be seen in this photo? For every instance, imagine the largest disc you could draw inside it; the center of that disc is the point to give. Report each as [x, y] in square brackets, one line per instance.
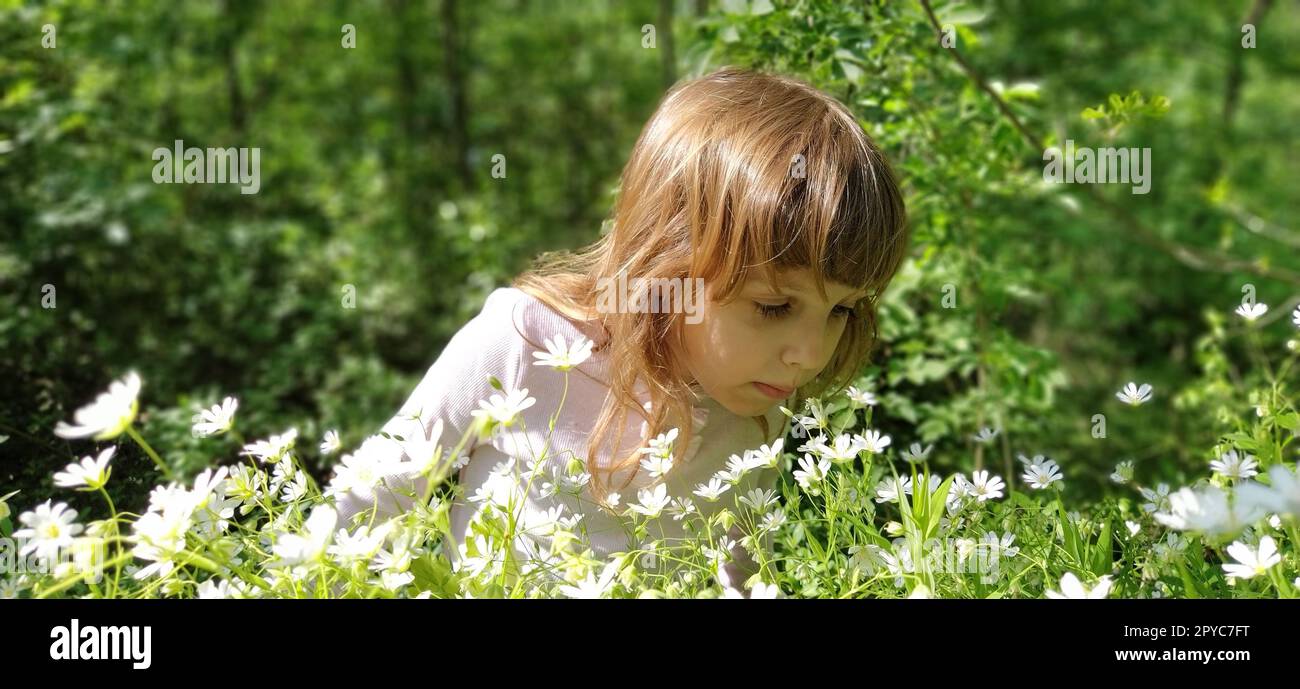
[166, 472]
[112, 510]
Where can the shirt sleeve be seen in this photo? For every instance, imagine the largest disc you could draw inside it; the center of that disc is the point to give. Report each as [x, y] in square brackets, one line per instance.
[488, 345]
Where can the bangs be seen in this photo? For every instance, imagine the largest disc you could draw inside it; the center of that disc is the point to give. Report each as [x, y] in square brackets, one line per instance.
[844, 228]
[816, 196]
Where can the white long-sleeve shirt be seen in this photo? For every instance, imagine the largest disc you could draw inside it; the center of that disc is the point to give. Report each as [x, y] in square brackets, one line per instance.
[499, 342]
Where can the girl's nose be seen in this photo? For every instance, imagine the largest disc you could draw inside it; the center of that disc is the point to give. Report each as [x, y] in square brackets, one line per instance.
[804, 352]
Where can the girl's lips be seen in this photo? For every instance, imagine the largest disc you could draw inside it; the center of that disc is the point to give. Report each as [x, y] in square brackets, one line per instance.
[773, 392]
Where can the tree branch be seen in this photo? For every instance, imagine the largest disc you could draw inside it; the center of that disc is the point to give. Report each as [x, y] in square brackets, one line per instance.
[1200, 259]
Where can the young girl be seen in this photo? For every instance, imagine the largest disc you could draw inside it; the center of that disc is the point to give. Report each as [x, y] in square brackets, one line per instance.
[755, 228]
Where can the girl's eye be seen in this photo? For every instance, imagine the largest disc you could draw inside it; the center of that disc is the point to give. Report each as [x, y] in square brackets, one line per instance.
[772, 310]
[779, 310]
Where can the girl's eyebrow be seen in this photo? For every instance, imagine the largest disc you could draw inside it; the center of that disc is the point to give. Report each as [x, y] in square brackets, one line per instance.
[799, 287]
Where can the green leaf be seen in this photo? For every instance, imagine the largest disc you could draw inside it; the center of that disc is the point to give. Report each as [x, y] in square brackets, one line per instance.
[1101, 553]
[818, 552]
[18, 93]
[1237, 438]
[850, 64]
[962, 16]
[851, 71]
[1070, 535]
[844, 419]
[1024, 90]
[905, 506]
[1192, 589]
[434, 574]
[734, 6]
[940, 498]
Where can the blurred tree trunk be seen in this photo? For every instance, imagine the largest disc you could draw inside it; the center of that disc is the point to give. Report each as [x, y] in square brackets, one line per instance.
[411, 137]
[236, 23]
[453, 50]
[665, 30]
[1236, 58]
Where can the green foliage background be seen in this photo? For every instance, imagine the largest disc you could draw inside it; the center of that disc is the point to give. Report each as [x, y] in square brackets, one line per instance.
[376, 173]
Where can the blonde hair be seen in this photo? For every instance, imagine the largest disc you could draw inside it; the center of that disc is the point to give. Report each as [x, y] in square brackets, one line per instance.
[736, 170]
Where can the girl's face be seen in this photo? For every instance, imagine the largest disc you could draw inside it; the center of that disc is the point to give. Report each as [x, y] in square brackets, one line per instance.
[751, 353]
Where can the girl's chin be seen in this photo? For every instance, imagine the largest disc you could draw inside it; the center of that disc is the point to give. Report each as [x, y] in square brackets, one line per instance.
[747, 407]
